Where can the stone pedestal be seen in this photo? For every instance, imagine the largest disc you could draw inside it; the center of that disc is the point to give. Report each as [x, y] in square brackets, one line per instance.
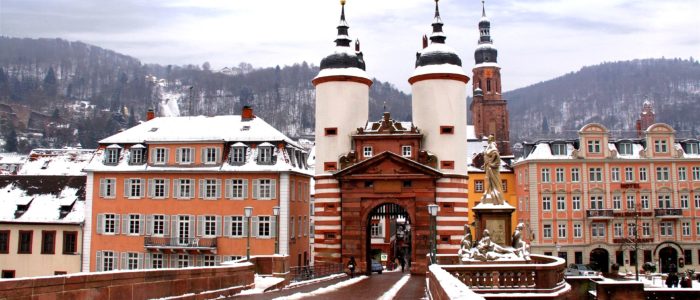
[495, 218]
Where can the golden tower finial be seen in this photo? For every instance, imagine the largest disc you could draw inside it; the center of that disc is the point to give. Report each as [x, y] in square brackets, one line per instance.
[342, 2]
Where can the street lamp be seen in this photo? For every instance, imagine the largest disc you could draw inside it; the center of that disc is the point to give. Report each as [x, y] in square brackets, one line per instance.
[276, 213]
[432, 209]
[248, 212]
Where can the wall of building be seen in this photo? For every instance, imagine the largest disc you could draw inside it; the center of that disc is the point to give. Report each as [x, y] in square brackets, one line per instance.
[509, 193]
[36, 263]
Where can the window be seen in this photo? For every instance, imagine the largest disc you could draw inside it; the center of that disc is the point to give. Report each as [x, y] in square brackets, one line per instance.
[210, 188]
[25, 242]
[697, 228]
[8, 274]
[184, 188]
[631, 201]
[264, 226]
[108, 187]
[595, 175]
[132, 260]
[642, 174]
[160, 156]
[134, 224]
[686, 228]
[578, 232]
[559, 174]
[645, 201]
[691, 148]
[664, 201]
[447, 129]
[547, 231]
[110, 223]
[662, 174]
[629, 174]
[158, 188]
[617, 202]
[561, 203]
[685, 203]
[304, 226]
[237, 155]
[48, 242]
[157, 261]
[111, 156]
[646, 229]
[625, 149]
[108, 262]
[697, 201]
[237, 188]
[696, 173]
[594, 146]
[265, 154]
[666, 228]
[660, 146]
[598, 230]
[133, 188]
[479, 186]
[208, 260]
[292, 227]
[210, 155]
[264, 189]
[4, 241]
[575, 175]
[546, 203]
[331, 131]
[688, 256]
[301, 226]
[617, 229]
[137, 156]
[185, 156]
[615, 174]
[158, 224]
[367, 151]
[183, 260]
[504, 186]
[597, 202]
[576, 202]
[561, 231]
[544, 175]
[237, 226]
[558, 149]
[406, 151]
[682, 173]
[208, 226]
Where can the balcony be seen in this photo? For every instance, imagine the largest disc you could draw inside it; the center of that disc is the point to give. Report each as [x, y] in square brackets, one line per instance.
[599, 214]
[631, 240]
[176, 244]
[668, 213]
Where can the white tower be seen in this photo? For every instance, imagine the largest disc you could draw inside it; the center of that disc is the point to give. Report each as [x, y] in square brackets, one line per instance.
[439, 87]
[342, 100]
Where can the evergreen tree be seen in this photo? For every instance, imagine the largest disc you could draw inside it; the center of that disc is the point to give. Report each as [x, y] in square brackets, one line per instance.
[545, 126]
[11, 140]
[50, 83]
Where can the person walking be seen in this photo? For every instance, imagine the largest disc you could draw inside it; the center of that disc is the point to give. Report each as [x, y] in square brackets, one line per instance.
[351, 265]
[402, 261]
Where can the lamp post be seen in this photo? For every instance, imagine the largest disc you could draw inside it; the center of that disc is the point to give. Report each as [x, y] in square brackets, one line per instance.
[248, 211]
[276, 213]
[432, 209]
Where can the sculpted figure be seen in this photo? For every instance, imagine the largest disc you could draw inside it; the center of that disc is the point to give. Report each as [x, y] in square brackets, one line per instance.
[487, 250]
[493, 192]
[467, 243]
[520, 246]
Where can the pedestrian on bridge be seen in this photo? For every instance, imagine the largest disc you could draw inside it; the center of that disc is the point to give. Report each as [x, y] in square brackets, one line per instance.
[351, 266]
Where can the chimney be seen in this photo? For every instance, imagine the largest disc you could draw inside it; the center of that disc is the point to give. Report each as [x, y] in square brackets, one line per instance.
[425, 41]
[150, 114]
[247, 113]
[640, 133]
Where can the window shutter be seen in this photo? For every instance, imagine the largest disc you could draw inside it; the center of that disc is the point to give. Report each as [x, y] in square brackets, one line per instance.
[98, 261]
[273, 227]
[127, 187]
[245, 188]
[255, 188]
[255, 227]
[100, 224]
[178, 155]
[141, 265]
[218, 226]
[192, 224]
[142, 224]
[176, 186]
[217, 260]
[151, 156]
[229, 188]
[173, 260]
[124, 264]
[102, 188]
[227, 226]
[217, 155]
[167, 156]
[200, 260]
[166, 190]
[149, 224]
[218, 188]
[147, 261]
[125, 224]
[173, 222]
[203, 158]
[117, 220]
[245, 227]
[201, 188]
[190, 260]
[200, 225]
[273, 189]
[151, 188]
[143, 187]
[166, 225]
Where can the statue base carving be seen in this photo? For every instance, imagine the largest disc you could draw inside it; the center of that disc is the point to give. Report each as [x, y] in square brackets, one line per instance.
[495, 218]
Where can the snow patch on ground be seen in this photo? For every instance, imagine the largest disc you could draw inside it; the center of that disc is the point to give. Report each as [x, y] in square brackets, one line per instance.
[307, 282]
[261, 284]
[324, 290]
[391, 293]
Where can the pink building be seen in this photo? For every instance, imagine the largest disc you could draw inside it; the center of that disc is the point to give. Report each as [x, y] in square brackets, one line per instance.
[590, 199]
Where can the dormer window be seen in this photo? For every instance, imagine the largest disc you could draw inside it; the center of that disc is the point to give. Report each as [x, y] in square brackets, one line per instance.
[558, 149]
[660, 146]
[594, 146]
[112, 155]
[238, 152]
[265, 153]
[185, 156]
[624, 149]
[367, 151]
[137, 155]
[406, 151]
[692, 148]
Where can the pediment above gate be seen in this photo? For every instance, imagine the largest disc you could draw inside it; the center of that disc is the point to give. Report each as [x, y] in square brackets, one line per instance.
[388, 165]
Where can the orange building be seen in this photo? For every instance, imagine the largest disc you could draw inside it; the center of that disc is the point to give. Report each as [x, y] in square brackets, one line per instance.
[171, 192]
[590, 200]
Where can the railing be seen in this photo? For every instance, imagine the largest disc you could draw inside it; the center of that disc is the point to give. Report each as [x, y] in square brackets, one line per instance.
[599, 213]
[316, 271]
[668, 212]
[176, 242]
[631, 240]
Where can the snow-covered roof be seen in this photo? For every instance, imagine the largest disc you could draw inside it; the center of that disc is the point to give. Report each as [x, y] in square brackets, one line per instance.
[12, 158]
[446, 68]
[56, 162]
[200, 128]
[471, 132]
[354, 72]
[47, 199]
[487, 64]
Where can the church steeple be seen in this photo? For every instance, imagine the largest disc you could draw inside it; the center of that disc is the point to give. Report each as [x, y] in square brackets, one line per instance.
[343, 39]
[437, 36]
[485, 53]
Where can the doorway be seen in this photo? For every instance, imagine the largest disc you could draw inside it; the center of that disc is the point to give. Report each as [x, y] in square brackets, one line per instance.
[668, 257]
[600, 260]
[388, 238]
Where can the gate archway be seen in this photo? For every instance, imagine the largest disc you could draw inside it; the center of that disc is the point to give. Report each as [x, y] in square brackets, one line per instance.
[668, 257]
[600, 260]
[388, 233]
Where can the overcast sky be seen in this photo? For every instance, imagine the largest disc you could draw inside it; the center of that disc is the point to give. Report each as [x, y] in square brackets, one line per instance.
[537, 40]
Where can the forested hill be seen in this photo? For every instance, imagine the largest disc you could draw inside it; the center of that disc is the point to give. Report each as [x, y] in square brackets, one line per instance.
[611, 94]
[98, 92]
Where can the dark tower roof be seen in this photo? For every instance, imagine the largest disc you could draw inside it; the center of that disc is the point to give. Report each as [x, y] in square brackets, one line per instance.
[485, 52]
[437, 53]
[344, 56]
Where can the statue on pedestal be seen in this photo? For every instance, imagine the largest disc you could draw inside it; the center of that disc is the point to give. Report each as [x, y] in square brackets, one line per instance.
[520, 246]
[493, 189]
